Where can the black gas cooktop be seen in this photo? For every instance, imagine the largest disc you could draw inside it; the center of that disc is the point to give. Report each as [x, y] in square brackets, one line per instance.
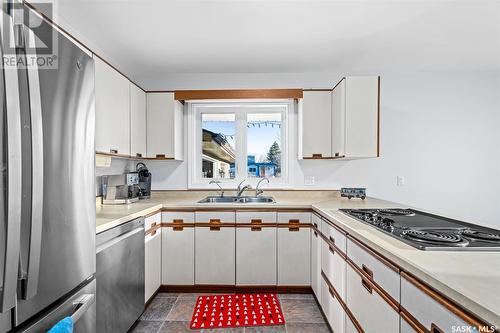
[429, 232]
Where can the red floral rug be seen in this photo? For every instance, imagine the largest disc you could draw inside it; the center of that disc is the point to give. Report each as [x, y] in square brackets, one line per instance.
[237, 310]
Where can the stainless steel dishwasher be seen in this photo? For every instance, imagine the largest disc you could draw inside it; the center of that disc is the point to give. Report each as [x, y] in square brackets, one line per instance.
[120, 276]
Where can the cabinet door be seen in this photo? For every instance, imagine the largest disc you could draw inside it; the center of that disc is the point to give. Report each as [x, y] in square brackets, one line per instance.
[178, 249]
[164, 126]
[137, 121]
[332, 309]
[256, 248]
[215, 255]
[430, 313]
[316, 124]
[112, 91]
[361, 116]
[373, 313]
[294, 256]
[334, 267]
[152, 264]
[338, 119]
[316, 257]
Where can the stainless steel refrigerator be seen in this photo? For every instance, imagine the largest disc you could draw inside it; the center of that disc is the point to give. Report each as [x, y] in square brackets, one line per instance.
[47, 226]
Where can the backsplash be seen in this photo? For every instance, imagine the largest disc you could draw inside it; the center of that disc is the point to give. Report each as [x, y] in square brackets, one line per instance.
[118, 166]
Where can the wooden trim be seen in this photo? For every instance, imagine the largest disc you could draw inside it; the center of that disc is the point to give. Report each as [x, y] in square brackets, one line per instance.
[213, 288]
[335, 86]
[374, 286]
[159, 91]
[375, 254]
[134, 158]
[179, 210]
[256, 225]
[414, 323]
[451, 306]
[212, 224]
[154, 227]
[317, 157]
[237, 94]
[317, 89]
[174, 225]
[152, 297]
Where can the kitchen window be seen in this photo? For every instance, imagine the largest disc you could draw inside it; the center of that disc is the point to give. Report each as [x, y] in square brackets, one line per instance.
[231, 142]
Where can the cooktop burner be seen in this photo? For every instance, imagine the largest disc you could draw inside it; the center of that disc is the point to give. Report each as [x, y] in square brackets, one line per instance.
[435, 236]
[429, 232]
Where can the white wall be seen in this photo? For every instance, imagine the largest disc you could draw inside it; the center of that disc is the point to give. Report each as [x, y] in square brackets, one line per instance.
[440, 130]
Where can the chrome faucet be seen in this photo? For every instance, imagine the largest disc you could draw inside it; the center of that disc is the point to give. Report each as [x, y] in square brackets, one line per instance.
[241, 189]
[217, 182]
[258, 191]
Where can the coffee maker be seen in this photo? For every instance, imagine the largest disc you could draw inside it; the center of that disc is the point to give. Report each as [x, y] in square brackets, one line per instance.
[120, 189]
[144, 180]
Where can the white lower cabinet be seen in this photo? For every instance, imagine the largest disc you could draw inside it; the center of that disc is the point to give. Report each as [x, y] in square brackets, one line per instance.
[152, 264]
[372, 312]
[178, 249]
[430, 313]
[215, 261]
[334, 267]
[316, 263]
[255, 249]
[332, 308]
[294, 256]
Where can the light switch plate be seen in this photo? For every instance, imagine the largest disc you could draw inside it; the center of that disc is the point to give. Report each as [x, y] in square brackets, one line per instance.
[400, 180]
[309, 180]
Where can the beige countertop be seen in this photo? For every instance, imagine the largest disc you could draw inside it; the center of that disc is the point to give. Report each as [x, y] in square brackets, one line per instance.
[471, 279]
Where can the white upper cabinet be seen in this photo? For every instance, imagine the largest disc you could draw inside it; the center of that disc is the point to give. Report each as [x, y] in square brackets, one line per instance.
[164, 126]
[355, 117]
[316, 119]
[137, 121]
[112, 100]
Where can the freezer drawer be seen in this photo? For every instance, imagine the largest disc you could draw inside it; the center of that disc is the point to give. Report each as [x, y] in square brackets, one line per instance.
[120, 277]
[80, 305]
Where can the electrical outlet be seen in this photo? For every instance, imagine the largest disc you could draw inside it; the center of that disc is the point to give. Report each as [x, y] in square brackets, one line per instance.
[400, 180]
[310, 180]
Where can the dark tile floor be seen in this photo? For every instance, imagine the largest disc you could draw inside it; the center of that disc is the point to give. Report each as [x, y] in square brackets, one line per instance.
[171, 313]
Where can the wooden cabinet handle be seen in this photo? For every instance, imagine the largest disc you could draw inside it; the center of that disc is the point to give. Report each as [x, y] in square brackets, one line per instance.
[178, 227]
[315, 234]
[367, 270]
[435, 329]
[315, 225]
[113, 151]
[215, 224]
[331, 249]
[138, 155]
[317, 155]
[293, 225]
[256, 225]
[331, 292]
[152, 226]
[332, 239]
[366, 285]
[160, 155]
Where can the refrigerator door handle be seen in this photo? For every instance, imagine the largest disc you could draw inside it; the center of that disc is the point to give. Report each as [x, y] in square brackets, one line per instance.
[35, 105]
[14, 176]
[82, 306]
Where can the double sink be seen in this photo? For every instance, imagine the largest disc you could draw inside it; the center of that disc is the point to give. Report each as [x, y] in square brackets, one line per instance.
[237, 200]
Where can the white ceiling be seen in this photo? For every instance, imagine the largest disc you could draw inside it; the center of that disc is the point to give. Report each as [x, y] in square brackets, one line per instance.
[158, 42]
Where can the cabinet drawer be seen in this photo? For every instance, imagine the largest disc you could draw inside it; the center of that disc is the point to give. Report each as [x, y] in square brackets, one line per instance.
[248, 217]
[426, 310]
[294, 257]
[149, 220]
[334, 235]
[372, 312]
[177, 256]
[256, 256]
[287, 217]
[334, 267]
[223, 217]
[383, 275]
[215, 261]
[332, 309]
[185, 217]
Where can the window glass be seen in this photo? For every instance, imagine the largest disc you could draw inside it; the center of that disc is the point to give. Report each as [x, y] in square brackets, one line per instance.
[264, 145]
[218, 145]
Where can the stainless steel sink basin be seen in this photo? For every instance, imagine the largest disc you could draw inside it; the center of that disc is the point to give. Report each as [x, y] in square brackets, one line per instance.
[237, 200]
